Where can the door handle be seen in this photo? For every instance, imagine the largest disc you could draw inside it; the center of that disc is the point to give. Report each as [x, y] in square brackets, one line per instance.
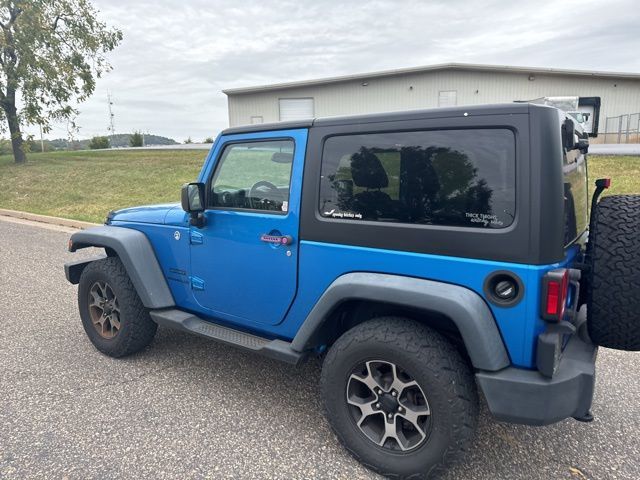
[277, 239]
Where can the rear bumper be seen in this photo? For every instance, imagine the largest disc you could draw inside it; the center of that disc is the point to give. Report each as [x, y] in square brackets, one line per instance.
[524, 396]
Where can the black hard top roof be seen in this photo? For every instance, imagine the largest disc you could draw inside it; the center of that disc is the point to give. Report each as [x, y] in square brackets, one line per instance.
[494, 109]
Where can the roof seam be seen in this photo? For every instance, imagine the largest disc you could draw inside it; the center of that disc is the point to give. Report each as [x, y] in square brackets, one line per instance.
[381, 117]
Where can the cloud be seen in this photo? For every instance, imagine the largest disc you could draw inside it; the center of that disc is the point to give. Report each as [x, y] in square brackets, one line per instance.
[177, 55]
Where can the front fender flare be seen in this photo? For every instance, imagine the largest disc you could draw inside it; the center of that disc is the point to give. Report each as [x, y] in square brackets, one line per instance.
[137, 255]
[464, 307]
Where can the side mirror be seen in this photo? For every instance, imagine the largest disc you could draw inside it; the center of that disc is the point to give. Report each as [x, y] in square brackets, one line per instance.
[568, 132]
[582, 145]
[192, 198]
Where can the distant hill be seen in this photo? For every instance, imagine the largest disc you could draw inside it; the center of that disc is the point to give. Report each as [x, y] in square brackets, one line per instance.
[117, 141]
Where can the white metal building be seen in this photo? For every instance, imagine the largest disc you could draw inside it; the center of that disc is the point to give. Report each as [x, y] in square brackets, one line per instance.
[430, 86]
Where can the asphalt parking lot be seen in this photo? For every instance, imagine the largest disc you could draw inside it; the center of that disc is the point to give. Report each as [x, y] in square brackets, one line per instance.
[188, 408]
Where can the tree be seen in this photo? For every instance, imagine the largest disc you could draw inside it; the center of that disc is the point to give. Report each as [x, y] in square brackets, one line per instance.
[136, 140]
[51, 53]
[99, 143]
[208, 140]
[188, 141]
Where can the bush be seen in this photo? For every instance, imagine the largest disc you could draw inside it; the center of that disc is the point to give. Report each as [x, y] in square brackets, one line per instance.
[5, 147]
[36, 146]
[98, 143]
[208, 140]
[136, 139]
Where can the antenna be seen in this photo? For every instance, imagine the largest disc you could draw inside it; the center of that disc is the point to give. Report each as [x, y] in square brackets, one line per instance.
[112, 126]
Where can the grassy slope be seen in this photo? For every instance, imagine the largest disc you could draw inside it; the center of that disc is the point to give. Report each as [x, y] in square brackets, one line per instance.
[86, 185]
[624, 172]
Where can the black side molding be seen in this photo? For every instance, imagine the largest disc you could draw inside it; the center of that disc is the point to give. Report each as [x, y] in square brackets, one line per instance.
[187, 322]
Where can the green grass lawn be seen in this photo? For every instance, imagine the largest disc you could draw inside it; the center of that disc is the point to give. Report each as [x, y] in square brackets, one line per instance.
[86, 185]
[623, 171]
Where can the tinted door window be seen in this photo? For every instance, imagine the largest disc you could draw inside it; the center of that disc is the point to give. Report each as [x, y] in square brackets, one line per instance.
[451, 177]
[253, 176]
[576, 199]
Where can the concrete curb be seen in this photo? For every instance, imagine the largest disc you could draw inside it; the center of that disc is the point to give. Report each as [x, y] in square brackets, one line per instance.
[33, 217]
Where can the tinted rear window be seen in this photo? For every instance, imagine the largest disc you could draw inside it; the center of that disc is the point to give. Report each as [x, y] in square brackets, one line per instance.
[460, 178]
[576, 199]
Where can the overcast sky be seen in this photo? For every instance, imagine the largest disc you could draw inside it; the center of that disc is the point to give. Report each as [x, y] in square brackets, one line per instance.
[177, 55]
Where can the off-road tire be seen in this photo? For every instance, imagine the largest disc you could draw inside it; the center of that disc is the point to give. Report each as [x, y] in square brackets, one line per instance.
[440, 371]
[136, 327]
[613, 286]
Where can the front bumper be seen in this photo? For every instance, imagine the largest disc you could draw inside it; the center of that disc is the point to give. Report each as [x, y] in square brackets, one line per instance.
[73, 270]
[525, 396]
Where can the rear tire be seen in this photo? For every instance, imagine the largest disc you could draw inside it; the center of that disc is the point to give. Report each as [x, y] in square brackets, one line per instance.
[113, 316]
[398, 351]
[613, 287]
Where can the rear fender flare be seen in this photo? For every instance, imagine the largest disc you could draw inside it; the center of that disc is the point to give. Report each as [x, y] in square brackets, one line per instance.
[464, 307]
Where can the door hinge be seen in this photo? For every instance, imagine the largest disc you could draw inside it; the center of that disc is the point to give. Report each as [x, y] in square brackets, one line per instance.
[197, 283]
[196, 238]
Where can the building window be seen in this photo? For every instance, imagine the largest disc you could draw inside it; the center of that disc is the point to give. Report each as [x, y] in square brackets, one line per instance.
[295, 109]
[256, 119]
[462, 178]
[447, 98]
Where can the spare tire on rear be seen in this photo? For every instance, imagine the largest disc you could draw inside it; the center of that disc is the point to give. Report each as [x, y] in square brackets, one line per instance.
[613, 285]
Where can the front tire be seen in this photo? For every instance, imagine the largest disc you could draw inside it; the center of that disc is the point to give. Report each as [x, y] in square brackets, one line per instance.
[400, 397]
[113, 316]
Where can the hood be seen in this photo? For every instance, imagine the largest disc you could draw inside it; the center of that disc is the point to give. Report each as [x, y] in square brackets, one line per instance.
[144, 214]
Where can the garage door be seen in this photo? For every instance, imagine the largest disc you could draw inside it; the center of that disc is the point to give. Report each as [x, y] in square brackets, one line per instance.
[447, 98]
[295, 108]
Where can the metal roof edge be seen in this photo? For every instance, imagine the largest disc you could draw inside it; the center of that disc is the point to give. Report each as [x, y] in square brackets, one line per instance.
[428, 68]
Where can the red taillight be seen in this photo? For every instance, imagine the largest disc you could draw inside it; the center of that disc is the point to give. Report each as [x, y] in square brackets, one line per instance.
[553, 297]
[555, 290]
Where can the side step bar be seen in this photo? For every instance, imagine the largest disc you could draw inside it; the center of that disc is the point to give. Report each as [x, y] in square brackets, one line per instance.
[187, 322]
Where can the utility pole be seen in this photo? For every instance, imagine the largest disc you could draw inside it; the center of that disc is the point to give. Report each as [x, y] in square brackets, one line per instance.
[112, 127]
[41, 140]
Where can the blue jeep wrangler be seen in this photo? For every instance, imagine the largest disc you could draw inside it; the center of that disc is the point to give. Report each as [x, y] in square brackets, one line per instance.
[426, 255]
